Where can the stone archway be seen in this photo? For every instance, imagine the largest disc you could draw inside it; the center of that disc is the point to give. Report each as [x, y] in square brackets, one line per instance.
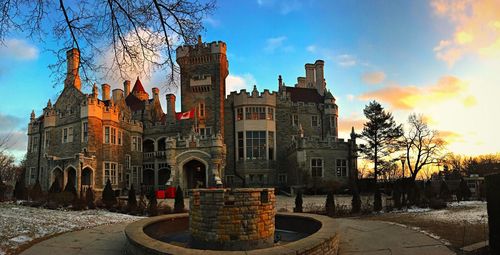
[163, 176]
[195, 174]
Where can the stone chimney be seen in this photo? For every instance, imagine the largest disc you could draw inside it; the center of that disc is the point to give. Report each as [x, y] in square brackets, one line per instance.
[95, 91]
[73, 63]
[105, 91]
[117, 95]
[280, 83]
[320, 77]
[156, 93]
[170, 105]
[126, 87]
[310, 81]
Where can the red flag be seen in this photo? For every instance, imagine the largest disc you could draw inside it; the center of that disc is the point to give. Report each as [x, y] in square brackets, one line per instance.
[185, 115]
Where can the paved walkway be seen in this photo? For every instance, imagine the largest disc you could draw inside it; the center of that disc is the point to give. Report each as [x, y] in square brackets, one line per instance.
[356, 237]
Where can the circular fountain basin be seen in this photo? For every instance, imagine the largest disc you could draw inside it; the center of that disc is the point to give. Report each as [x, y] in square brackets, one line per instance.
[296, 233]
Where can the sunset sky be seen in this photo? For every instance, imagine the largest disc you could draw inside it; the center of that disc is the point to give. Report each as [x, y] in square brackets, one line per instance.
[438, 58]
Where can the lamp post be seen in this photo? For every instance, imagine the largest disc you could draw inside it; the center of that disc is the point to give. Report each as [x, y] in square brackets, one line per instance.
[403, 202]
[403, 159]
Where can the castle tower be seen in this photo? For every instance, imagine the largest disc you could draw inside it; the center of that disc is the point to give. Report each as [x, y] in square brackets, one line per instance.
[204, 68]
[331, 115]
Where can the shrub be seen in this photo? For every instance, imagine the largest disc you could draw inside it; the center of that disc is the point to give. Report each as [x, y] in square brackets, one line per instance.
[164, 208]
[89, 198]
[444, 191]
[463, 191]
[179, 200]
[437, 204]
[132, 200]
[429, 193]
[63, 198]
[3, 190]
[55, 187]
[153, 204]
[330, 204]
[79, 202]
[70, 187]
[36, 191]
[396, 197]
[108, 195]
[298, 202]
[20, 190]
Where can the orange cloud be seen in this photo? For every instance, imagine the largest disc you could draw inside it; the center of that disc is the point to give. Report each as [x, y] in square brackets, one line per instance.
[409, 97]
[450, 136]
[470, 101]
[477, 28]
[346, 124]
[373, 77]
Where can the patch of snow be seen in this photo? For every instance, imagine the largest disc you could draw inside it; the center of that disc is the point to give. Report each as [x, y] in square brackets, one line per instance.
[22, 224]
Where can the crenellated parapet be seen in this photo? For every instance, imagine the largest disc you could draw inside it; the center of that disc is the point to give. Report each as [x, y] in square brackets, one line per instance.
[253, 98]
[200, 49]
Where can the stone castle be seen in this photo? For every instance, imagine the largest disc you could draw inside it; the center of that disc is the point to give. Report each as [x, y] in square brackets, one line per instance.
[287, 138]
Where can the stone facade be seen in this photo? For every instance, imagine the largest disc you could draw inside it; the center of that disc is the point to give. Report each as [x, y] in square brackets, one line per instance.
[236, 219]
[255, 139]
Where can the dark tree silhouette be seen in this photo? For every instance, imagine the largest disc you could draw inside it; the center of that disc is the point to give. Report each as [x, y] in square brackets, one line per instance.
[330, 204]
[132, 200]
[55, 187]
[108, 195]
[89, 198]
[382, 136]
[179, 200]
[136, 35]
[298, 202]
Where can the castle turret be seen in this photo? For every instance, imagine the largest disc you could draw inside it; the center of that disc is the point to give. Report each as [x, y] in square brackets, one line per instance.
[170, 106]
[73, 63]
[117, 95]
[32, 116]
[320, 76]
[138, 90]
[280, 83]
[105, 92]
[156, 93]
[95, 91]
[310, 80]
[126, 87]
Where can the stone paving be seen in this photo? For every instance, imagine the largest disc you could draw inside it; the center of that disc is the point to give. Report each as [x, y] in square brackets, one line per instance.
[356, 237]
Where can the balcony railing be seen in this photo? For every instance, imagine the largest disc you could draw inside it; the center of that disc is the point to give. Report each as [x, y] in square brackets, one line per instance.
[153, 154]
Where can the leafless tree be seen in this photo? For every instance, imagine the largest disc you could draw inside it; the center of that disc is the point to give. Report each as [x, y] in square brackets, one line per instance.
[423, 146]
[113, 36]
[8, 170]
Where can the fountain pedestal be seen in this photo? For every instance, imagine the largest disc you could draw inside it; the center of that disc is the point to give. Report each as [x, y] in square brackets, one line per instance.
[232, 219]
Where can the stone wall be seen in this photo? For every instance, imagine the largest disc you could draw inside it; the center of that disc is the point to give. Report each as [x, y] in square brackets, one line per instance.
[237, 219]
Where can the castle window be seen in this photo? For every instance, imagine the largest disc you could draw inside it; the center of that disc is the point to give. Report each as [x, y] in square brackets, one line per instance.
[136, 172]
[256, 144]
[32, 175]
[248, 113]
[127, 161]
[240, 146]
[110, 172]
[120, 173]
[314, 121]
[201, 109]
[67, 135]
[120, 137]
[70, 134]
[341, 167]
[270, 113]
[85, 131]
[239, 114]
[47, 139]
[35, 143]
[136, 143]
[106, 134]
[113, 135]
[317, 167]
[270, 145]
[205, 132]
[262, 113]
[295, 120]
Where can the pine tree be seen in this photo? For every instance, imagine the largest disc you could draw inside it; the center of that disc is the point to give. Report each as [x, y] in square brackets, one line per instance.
[20, 190]
[382, 136]
[70, 187]
[89, 198]
[132, 200]
[298, 202]
[330, 204]
[36, 191]
[153, 204]
[179, 200]
[55, 187]
[108, 195]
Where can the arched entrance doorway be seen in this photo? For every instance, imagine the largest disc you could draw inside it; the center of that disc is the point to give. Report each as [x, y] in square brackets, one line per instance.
[196, 174]
[148, 180]
[163, 176]
[87, 177]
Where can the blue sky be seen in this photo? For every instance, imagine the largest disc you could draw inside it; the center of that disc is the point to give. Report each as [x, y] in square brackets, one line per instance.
[437, 58]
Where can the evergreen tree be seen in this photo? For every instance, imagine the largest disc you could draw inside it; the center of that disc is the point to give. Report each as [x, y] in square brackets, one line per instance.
[55, 187]
[298, 202]
[70, 187]
[3, 189]
[355, 202]
[20, 190]
[108, 195]
[153, 204]
[132, 200]
[330, 204]
[179, 200]
[382, 136]
[36, 191]
[89, 198]
[444, 191]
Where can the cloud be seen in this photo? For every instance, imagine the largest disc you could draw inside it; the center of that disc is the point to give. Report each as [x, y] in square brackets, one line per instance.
[346, 60]
[238, 82]
[373, 77]
[277, 43]
[311, 48]
[476, 29]
[283, 6]
[18, 49]
[410, 97]
[211, 21]
[346, 124]
[9, 122]
[450, 136]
